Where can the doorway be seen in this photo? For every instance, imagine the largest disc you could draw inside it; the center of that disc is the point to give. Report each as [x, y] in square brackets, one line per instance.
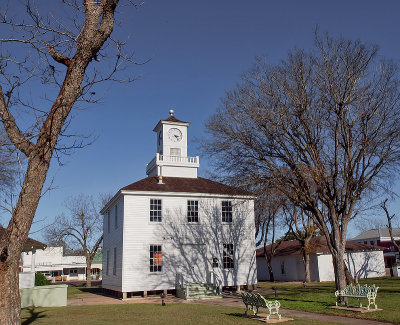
[194, 264]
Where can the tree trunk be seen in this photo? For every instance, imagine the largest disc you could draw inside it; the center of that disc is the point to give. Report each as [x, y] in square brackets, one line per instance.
[10, 302]
[306, 259]
[88, 275]
[12, 243]
[89, 260]
[340, 276]
[349, 278]
[271, 273]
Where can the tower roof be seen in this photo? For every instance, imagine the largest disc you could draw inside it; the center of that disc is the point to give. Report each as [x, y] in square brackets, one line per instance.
[170, 118]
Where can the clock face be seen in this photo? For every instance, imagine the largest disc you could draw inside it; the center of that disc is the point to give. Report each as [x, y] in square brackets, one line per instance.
[175, 134]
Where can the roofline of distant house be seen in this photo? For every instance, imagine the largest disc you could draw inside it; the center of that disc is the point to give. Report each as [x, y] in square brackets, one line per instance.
[375, 249]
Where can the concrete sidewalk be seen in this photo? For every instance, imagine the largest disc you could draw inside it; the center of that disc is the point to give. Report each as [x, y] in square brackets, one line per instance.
[232, 300]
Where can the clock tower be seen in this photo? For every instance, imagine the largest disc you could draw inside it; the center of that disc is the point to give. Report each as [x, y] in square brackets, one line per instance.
[171, 159]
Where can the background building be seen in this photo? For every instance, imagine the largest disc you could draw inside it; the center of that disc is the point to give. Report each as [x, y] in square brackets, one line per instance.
[363, 261]
[54, 265]
[381, 237]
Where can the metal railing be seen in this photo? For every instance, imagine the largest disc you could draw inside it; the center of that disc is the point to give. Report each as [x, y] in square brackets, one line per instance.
[214, 279]
[181, 285]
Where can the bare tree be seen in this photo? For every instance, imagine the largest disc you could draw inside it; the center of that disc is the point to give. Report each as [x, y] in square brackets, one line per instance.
[389, 219]
[81, 229]
[322, 126]
[48, 62]
[268, 210]
[303, 229]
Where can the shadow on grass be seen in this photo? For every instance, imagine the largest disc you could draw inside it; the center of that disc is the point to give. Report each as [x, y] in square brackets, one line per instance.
[33, 316]
[316, 303]
[90, 290]
[236, 315]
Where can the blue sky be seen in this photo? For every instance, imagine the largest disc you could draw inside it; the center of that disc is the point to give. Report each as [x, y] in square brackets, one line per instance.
[198, 50]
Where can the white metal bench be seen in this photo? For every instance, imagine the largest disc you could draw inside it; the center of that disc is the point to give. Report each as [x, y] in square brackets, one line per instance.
[256, 301]
[368, 292]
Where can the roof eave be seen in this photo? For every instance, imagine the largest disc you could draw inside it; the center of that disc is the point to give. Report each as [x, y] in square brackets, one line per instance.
[110, 203]
[170, 123]
[162, 193]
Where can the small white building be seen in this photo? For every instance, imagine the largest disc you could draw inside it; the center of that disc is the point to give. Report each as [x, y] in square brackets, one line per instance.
[174, 229]
[363, 261]
[54, 265]
[381, 237]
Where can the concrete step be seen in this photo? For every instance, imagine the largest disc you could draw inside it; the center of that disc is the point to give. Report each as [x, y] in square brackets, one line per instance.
[210, 296]
[200, 291]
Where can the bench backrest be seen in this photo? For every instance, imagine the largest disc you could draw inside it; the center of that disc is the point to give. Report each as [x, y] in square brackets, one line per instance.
[359, 290]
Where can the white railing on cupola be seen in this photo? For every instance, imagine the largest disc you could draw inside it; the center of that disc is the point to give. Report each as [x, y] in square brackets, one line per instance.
[160, 159]
[179, 159]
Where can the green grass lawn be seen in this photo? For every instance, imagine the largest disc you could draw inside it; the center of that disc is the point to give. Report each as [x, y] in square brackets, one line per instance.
[148, 314]
[318, 296]
[72, 291]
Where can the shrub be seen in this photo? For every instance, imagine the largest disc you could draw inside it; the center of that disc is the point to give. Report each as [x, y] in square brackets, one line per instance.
[40, 280]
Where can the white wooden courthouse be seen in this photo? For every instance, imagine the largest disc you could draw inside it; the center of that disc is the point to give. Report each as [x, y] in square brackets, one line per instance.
[176, 231]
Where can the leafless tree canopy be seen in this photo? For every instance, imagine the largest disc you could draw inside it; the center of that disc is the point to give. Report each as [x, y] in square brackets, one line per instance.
[37, 53]
[52, 55]
[8, 163]
[80, 228]
[322, 126]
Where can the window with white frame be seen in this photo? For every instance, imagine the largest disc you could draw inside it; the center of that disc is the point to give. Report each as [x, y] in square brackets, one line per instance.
[155, 210]
[107, 262]
[115, 261]
[192, 211]
[226, 211]
[228, 256]
[156, 258]
[116, 216]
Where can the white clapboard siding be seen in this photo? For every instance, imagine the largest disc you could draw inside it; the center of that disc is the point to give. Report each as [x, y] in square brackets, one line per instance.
[113, 238]
[177, 237]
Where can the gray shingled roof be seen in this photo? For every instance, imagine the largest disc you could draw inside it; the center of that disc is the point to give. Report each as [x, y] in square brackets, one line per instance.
[377, 233]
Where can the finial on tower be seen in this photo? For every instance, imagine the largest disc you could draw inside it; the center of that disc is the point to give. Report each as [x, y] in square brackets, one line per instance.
[171, 112]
